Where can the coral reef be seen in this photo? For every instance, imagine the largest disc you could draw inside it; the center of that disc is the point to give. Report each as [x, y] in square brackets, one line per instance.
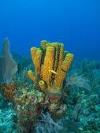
[37, 104]
[82, 100]
[51, 66]
[28, 108]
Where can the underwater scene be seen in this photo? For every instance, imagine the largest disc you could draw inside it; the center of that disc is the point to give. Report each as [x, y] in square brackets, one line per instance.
[49, 66]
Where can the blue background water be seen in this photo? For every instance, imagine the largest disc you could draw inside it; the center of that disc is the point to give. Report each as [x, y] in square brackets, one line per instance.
[76, 23]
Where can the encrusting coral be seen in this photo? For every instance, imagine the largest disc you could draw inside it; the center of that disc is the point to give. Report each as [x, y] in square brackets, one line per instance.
[28, 106]
[8, 90]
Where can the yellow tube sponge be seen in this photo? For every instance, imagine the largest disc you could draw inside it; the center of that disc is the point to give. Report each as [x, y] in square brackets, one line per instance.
[63, 70]
[48, 64]
[42, 85]
[51, 64]
[36, 57]
[30, 75]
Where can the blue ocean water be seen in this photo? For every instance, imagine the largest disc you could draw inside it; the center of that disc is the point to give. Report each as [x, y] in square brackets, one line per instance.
[76, 23]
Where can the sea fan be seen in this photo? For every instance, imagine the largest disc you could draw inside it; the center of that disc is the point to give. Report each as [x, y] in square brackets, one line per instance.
[8, 66]
[79, 81]
[48, 125]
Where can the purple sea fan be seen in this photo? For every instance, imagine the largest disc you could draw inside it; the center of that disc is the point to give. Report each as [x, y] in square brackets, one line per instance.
[79, 81]
[8, 66]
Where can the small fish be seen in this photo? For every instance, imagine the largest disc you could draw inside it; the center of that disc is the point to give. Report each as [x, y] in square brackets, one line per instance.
[53, 72]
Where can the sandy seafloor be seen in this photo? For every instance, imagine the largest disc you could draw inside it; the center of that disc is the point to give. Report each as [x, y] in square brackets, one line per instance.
[82, 100]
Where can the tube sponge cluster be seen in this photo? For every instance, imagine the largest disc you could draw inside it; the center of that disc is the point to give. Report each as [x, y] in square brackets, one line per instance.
[51, 64]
